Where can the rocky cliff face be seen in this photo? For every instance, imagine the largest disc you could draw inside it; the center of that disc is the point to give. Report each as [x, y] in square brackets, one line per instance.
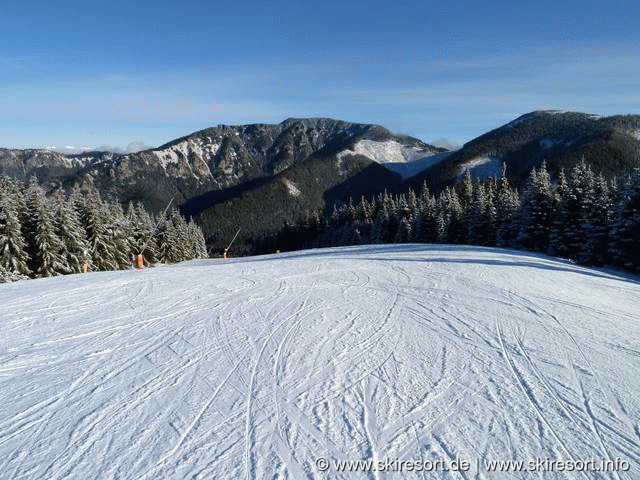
[45, 164]
[227, 155]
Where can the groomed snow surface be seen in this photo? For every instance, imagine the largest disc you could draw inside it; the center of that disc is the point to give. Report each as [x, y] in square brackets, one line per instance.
[256, 367]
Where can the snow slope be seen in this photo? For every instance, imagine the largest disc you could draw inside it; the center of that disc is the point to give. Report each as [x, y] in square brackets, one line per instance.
[394, 156]
[482, 167]
[256, 367]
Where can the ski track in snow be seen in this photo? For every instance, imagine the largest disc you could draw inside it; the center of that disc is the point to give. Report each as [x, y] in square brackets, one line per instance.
[253, 368]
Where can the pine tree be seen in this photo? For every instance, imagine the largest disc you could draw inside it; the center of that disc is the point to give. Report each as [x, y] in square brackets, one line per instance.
[598, 225]
[474, 216]
[387, 201]
[402, 209]
[576, 210]
[482, 218]
[417, 221]
[45, 247]
[467, 190]
[199, 246]
[442, 216]
[456, 228]
[172, 246]
[146, 234]
[69, 229]
[348, 213]
[14, 259]
[96, 219]
[120, 237]
[403, 232]
[557, 241]
[430, 225]
[507, 204]
[625, 231]
[536, 212]
[412, 201]
[425, 194]
[182, 247]
[364, 216]
[489, 221]
[382, 230]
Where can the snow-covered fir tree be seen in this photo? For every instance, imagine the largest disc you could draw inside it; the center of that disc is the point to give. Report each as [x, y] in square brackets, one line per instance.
[383, 230]
[428, 226]
[625, 231]
[197, 243]
[69, 229]
[142, 229]
[403, 232]
[168, 239]
[598, 226]
[42, 236]
[44, 245]
[507, 203]
[95, 218]
[454, 228]
[536, 212]
[571, 223]
[14, 259]
[475, 214]
[120, 236]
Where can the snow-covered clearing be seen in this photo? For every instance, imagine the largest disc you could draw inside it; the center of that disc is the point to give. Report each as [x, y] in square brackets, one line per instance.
[256, 367]
[412, 167]
[482, 167]
[292, 188]
[407, 161]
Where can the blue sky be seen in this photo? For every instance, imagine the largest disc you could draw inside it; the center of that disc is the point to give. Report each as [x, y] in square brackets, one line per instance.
[111, 73]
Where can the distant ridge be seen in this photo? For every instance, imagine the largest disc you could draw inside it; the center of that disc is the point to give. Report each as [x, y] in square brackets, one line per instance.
[320, 160]
[258, 176]
[561, 139]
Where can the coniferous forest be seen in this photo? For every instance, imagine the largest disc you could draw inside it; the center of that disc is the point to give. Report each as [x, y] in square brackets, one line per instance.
[43, 237]
[579, 216]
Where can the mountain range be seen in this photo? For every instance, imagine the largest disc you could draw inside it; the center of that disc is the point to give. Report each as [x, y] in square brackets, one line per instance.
[256, 177]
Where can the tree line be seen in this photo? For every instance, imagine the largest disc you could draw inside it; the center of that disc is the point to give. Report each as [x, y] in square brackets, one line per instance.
[580, 216]
[42, 237]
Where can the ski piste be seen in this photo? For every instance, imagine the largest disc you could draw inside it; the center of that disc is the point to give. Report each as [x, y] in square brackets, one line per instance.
[266, 367]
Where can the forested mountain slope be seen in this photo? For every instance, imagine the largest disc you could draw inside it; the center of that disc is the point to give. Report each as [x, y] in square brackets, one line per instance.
[611, 145]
